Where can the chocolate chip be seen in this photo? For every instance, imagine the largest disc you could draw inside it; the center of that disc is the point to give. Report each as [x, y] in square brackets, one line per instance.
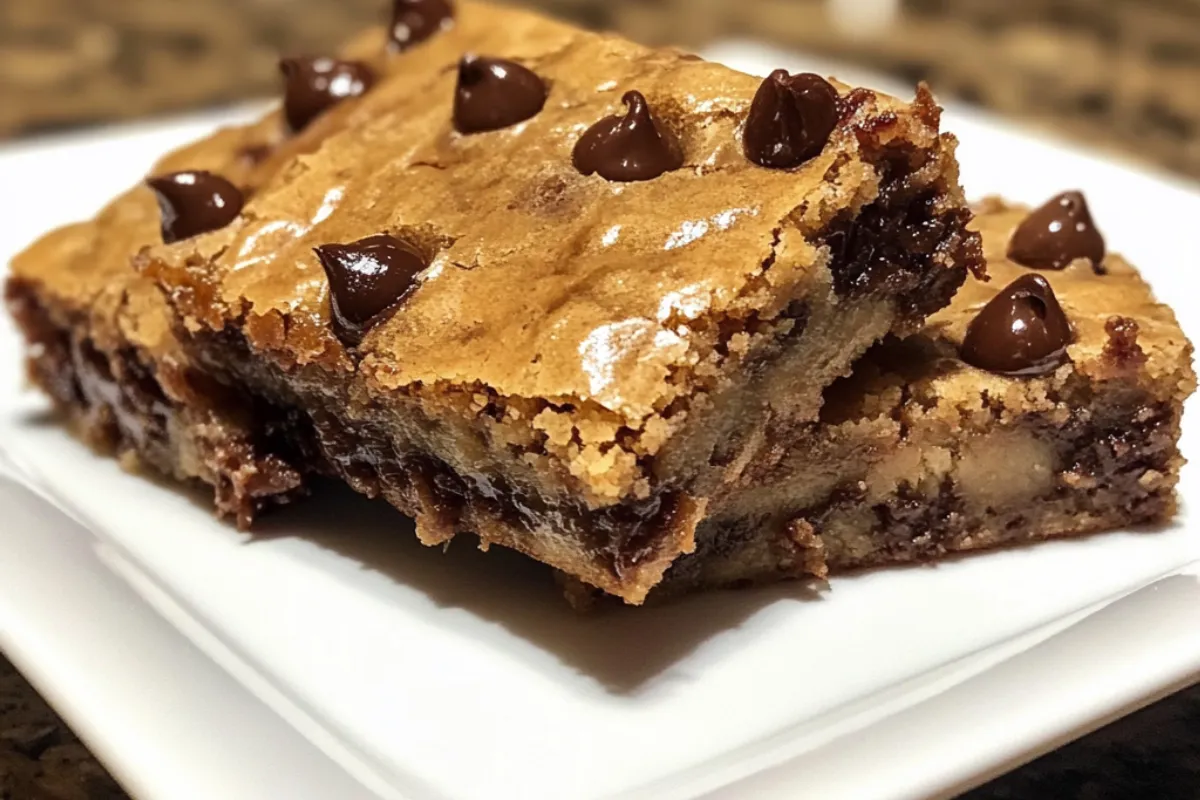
[367, 279]
[1022, 331]
[414, 21]
[633, 147]
[1056, 234]
[493, 93]
[194, 202]
[790, 119]
[316, 84]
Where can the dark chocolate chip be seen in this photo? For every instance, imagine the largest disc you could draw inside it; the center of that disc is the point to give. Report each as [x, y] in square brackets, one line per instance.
[316, 84]
[790, 119]
[414, 21]
[1022, 331]
[1056, 234]
[493, 93]
[367, 279]
[194, 202]
[633, 147]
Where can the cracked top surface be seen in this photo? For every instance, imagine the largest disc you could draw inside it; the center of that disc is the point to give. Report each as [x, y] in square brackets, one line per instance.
[542, 282]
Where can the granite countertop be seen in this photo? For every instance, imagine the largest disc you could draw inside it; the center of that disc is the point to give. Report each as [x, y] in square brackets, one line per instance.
[1119, 74]
[40, 758]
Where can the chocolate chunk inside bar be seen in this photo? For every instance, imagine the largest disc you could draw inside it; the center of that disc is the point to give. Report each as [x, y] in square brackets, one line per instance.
[566, 315]
[919, 454]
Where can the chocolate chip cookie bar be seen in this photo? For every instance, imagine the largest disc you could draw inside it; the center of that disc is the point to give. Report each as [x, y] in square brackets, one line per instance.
[101, 345]
[1045, 402]
[101, 338]
[552, 288]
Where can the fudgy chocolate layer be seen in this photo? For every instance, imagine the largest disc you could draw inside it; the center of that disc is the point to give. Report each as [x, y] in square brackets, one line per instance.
[117, 403]
[616, 538]
[1103, 484]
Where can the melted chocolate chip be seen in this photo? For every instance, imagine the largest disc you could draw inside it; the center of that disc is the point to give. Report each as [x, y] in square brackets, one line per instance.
[414, 21]
[194, 202]
[633, 147]
[367, 279]
[316, 84]
[1056, 234]
[493, 93]
[790, 119]
[1022, 331]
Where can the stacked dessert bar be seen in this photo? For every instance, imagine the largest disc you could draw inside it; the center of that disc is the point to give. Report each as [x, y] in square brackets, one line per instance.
[648, 320]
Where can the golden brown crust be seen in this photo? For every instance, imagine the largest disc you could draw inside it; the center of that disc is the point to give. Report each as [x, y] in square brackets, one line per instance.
[610, 273]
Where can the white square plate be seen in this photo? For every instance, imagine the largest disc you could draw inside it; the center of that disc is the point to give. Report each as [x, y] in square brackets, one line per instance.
[462, 675]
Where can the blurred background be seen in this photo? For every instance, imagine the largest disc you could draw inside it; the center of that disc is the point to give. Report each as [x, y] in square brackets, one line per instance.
[1122, 74]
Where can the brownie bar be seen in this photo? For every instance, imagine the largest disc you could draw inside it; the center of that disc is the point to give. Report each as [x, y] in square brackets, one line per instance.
[510, 314]
[920, 454]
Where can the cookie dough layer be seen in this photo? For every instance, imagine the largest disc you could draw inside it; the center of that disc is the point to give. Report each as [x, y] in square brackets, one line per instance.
[919, 456]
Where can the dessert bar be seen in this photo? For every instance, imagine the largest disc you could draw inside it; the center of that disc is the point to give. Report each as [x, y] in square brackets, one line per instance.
[553, 288]
[1045, 402]
[101, 340]
[100, 344]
